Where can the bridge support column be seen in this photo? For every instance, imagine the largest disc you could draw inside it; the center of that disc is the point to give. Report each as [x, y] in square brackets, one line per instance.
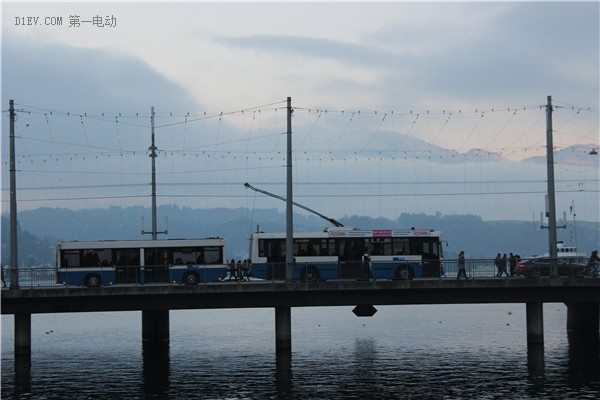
[22, 334]
[583, 317]
[535, 322]
[155, 326]
[283, 329]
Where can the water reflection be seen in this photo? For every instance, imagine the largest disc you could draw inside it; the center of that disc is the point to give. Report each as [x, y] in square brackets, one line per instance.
[583, 363]
[536, 366]
[283, 373]
[156, 368]
[22, 375]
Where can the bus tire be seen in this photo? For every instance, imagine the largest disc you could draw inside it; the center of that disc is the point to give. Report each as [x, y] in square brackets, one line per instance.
[404, 272]
[93, 280]
[310, 274]
[190, 278]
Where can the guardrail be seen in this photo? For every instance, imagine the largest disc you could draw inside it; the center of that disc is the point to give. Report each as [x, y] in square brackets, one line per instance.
[475, 269]
[32, 277]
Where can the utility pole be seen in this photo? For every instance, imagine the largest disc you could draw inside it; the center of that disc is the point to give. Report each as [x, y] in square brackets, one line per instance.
[14, 259]
[552, 251]
[153, 155]
[289, 223]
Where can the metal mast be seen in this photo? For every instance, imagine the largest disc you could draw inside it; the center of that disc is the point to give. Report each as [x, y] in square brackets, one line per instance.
[14, 260]
[289, 223]
[153, 155]
[551, 199]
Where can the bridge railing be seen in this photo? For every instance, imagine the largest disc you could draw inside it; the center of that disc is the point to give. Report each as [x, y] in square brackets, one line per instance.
[33, 276]
[474, 268]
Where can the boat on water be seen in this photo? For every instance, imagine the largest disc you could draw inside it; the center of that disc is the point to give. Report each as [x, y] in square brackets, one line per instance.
[564, 251]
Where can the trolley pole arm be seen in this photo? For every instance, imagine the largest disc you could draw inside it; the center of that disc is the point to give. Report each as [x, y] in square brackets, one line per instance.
[333, 221]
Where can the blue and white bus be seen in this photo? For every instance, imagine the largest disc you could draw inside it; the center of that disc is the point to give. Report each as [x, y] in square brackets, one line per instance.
[113, 262]
[350, 253]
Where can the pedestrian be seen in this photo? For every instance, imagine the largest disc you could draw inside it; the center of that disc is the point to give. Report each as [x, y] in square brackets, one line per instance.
[461, 266]
[512, 262]
[238, 271]
[232, 270]
[2, 269]
[592, 264]
[504, 265]
[367, 271]
[498, 264]
[245, 271]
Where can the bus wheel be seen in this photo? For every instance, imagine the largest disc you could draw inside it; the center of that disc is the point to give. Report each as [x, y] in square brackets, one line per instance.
[93, 280]
[404, 272]
[310, 273]
[190, 278]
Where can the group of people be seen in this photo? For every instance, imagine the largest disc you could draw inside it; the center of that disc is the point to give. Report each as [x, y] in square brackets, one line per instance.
[503, 263]
[506, 265]
[240, 271]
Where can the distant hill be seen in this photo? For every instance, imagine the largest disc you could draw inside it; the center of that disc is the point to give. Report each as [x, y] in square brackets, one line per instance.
[41, 229]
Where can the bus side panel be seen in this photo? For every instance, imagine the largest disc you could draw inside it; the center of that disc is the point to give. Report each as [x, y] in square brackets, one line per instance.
[77, 276]
[204, 273]
[214, 273]
[391, 269]
[269, 271]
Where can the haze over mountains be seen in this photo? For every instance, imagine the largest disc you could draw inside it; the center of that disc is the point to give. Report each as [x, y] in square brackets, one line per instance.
[41, 229]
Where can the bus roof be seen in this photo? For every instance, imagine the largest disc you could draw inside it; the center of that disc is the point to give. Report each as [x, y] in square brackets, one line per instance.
[121, 244]
[341, 232]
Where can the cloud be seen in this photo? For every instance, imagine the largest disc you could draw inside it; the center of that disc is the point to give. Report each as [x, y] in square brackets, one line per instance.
[59, 76]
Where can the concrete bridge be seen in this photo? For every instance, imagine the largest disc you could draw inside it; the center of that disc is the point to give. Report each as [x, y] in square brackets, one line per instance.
[581, 295]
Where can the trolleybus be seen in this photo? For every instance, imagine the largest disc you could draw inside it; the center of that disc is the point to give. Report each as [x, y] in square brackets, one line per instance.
[338, 253]
[187, 261]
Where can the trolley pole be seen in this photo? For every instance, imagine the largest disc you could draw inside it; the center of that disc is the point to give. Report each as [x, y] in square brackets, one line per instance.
[289, 223]
[14, 260]
[551, 199]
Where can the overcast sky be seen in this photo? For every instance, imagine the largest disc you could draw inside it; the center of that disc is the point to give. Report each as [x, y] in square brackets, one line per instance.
[214, 57]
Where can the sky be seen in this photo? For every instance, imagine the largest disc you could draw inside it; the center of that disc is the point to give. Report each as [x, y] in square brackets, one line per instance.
[379, 90]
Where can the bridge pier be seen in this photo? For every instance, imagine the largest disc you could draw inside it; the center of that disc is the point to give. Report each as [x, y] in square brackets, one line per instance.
[535, 322]
[22, 334]
[155, 326]
[583, 317]
[283, 329]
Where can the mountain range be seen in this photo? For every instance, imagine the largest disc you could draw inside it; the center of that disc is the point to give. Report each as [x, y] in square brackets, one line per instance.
[41, 229]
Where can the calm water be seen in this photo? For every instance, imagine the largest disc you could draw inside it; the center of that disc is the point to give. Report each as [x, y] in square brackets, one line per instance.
[403, 352]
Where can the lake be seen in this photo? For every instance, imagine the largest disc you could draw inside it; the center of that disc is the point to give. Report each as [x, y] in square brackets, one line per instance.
[402, 352]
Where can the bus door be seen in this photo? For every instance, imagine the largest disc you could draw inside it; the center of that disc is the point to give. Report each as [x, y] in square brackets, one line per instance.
[156, 267]
[275, 252]
[431, 258]
[127, 269]
[350, 254]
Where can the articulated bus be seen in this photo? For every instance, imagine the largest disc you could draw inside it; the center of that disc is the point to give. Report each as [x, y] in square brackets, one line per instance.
[187, 261]
[350, 253]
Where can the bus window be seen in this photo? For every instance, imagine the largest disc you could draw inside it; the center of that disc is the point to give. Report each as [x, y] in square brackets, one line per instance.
[306, 247]
[184, 256]
[350, 249]
[379, 246]
[127, 256]
[401, 246]
[70, 258]
[212, 255]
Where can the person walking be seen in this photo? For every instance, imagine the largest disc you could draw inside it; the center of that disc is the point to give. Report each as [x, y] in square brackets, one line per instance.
[592, 264]
[504, 265]
[498, 264]
[2, 269]
[512, 263]
[461, 266]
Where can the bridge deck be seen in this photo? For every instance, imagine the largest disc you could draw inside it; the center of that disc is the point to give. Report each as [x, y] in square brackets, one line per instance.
[298, 294]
